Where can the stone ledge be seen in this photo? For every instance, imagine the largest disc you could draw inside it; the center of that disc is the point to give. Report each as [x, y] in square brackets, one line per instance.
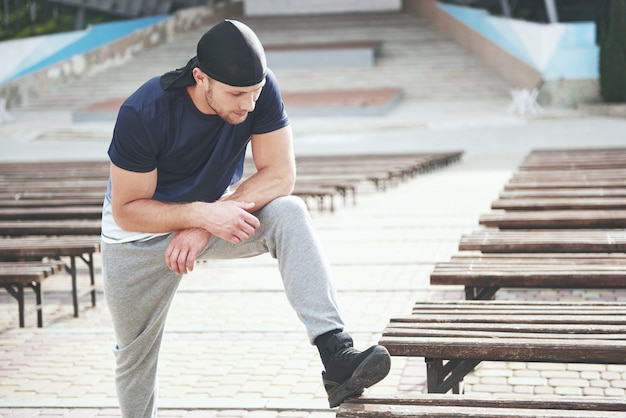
[322, 55]
[604, 109]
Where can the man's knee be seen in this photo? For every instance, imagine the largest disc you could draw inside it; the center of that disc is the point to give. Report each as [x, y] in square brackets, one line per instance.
[288, 207]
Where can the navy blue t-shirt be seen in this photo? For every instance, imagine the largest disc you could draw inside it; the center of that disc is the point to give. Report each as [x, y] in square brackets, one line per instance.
[197, 156]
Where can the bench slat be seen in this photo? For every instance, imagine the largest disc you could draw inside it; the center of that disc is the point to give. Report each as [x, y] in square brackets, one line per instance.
[44, 246]
[50, 212]
[561, 219]
[491, 272]
[51, 227]
[556, 193]
[565, 184]
[60, 201]
[559, 203]
[441, 405]
[491, 240]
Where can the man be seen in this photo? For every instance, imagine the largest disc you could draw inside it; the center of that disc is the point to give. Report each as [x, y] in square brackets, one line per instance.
[178, 144]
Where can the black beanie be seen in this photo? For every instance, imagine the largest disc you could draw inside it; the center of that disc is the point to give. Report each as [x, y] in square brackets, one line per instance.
[229, 52]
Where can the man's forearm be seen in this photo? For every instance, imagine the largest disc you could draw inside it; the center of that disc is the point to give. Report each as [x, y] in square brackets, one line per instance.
[263, 187]
[153, 216]
[229, 220]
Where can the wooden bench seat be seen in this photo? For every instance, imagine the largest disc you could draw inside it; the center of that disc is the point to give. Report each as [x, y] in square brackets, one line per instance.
[51, 212]
[56, 202]
[490, 240]
[71, 186]
[560, 219]
[51, 227]
[581, 174]
[54, 169]
[454, 337]
[556, 193]
[67, 195]
[450, 406]
[559, 203]
[16, 276]
[36, 248]
[483, 275]
[565, 184]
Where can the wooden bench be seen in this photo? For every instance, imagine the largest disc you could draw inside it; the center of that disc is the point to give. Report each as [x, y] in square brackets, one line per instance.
[454, 337]
[489, 240]
[378, 169]
[36, 248]
[16, 276]
[450, 406]
[482, 275]
[321, 177]
[559, 219]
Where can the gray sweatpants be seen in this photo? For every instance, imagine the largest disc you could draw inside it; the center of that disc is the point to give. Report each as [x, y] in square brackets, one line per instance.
[139, 289]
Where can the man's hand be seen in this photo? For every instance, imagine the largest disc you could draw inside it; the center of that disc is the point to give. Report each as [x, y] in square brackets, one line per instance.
[228, 220]
[181, 254]
[232, 221]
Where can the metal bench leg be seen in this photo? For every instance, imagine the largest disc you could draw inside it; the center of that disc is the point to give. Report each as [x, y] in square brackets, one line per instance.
[18, 293]
[441, 378]
[92, 277]
[36, 286]
[72, 271]
[480, 293]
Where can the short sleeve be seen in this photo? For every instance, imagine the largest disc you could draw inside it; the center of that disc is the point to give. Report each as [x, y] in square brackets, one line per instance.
[269, 114]
[132, 148]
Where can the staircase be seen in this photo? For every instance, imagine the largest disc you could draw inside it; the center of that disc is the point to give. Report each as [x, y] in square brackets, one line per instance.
[413, 57]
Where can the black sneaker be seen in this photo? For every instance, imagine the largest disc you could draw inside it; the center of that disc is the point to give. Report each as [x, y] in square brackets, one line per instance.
[349, 371]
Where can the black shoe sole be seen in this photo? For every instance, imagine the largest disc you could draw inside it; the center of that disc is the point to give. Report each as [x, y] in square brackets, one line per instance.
[372, 370]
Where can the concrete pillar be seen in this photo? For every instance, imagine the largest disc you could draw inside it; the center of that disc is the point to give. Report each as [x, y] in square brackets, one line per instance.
[553, 16]
[506, 8]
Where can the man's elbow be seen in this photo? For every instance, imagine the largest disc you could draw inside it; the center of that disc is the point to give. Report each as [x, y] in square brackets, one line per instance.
[121, 218]
[289, 183]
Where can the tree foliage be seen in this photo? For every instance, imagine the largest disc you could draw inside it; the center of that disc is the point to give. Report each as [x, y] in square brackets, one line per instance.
[613, 55]
[24, 18]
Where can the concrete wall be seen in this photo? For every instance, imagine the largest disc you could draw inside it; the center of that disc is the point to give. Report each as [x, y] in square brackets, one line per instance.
[19, 91]
[561, 59]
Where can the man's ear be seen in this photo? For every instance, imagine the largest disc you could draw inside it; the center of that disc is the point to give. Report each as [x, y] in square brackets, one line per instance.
[199, 75]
